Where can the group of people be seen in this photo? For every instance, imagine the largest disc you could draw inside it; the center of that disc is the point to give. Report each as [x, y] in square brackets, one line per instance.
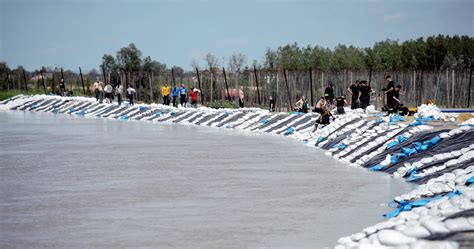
[359, 90]
[62, 89]
[108, 92]
[180, 93]
[360, 93]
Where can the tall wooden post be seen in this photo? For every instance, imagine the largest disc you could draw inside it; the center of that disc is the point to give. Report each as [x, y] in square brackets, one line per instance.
[256, 82]
[200, 86]
[287, 90]
[311, 84]
[370, 75]
[103, 74]
[8, 77]
[174, 78]
[42, 79]
[226, 86]
[53, 86]
[150, 79]
[277, 94]
[82, 81]
[24, 79]
[469, 89]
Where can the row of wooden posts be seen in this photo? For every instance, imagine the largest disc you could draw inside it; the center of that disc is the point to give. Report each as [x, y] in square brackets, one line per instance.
[198, 74]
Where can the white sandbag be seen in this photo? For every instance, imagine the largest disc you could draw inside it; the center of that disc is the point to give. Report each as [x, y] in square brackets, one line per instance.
[468, 122]
[426, 160]
[371, 108]
[416, 232]
[357, 236]
[458, 224]
[424, 111]
[390, 237]
[434, 226]
[444, 135]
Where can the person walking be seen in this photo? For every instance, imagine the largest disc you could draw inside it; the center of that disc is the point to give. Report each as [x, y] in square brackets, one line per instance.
[62, 87]
[182, 95]
[194, 94]
[364, 96]
[108, 93]
[165, 92]
[118, 93]
[97, 89]
[355, 93]
[271, 104]
[175, 95]
[397, 103]
[241, 97]
[389, 91]
[131, 94]
[329, 94]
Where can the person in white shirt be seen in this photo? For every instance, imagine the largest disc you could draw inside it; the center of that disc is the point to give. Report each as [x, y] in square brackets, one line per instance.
[130, 94]
[241, 97]
[97, 89]
[108, 93]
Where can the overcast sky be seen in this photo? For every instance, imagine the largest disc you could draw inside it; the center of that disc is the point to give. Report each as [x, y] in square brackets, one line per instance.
[70, 33]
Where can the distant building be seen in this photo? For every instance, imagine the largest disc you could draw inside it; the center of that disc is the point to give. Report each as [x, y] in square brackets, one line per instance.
[45, 75]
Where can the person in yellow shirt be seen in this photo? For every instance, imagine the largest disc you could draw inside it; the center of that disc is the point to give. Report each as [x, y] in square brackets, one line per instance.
[165, 92]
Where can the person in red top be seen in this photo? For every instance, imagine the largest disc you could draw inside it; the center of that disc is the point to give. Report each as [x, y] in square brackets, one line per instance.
[194, 94]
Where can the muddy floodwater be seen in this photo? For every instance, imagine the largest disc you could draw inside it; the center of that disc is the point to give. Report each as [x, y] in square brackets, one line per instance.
[72, 182]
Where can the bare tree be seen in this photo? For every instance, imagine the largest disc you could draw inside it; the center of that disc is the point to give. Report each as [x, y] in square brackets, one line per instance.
[236, 62]
[212, 64]
[194, 64]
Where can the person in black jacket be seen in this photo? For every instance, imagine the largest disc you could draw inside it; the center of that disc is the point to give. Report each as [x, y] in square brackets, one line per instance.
[354, 91]
[364, 96]
[62, 87]
[329, 93]
[389, 91]
[271, 103]
[340, 102]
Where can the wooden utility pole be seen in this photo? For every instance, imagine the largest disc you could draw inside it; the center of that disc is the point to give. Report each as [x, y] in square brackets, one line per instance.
[199, 85]
[370, 75]
[103, 73]
[8, 77]
[287, 90]
[82, 81]
[150, 79]
[53, 87]
[42, 79]
[62, 77]
[311, 84]
[172, 75]
[470, 88]
[226, 86]
[256, 82]
[24, 79]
